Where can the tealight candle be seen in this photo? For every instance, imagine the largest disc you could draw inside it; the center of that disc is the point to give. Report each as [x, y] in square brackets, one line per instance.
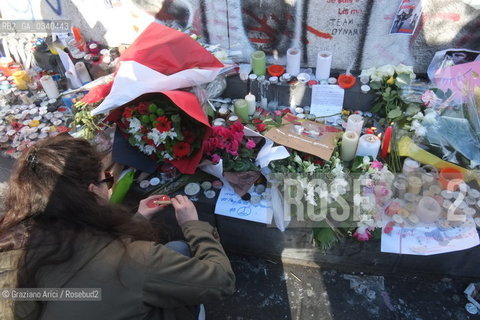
[298, 110]
[400, 186]
[414, 184]
[355, 123]
[403, 212]
[435, 189]
[397, 219]
[410, 166]
[365, 89]
[428, 210]
[219, 122]
[349, 145]
[368, 145]
[252, 105]
[413, 219]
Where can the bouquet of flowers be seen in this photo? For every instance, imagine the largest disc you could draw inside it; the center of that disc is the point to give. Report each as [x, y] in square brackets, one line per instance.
[232, 155]
[387, 82]
[230, 145]
[159, 128]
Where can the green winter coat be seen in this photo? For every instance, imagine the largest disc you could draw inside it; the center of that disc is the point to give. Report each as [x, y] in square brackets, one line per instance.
[138, 279]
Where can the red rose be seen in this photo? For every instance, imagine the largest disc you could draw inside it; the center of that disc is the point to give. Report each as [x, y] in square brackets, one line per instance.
[261, 127]
[142, 108]
[163, 124]
[181, 149]
[237, 126]
[256, 121]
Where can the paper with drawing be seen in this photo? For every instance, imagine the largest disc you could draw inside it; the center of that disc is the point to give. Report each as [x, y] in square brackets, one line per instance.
[231, 205]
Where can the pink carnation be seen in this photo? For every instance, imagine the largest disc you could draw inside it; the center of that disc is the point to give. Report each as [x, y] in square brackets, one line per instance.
[362, 234]
[376, 165]
[250, 144]
[216, 158]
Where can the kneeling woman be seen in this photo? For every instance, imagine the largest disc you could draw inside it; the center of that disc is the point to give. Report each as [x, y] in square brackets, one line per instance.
[59, 231]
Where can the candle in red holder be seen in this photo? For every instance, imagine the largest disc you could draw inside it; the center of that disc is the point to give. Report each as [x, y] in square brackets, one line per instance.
[386, 142]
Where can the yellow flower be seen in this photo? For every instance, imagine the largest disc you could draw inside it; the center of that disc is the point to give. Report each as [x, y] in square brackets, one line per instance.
[391, 80]
[345, 112]
[34, 123]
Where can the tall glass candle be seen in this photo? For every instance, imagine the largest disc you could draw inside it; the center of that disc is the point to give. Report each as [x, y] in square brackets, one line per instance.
[410, 166]
[49, 86]
[349, 145]
[259, 63]
[355, 123]
[241, 109]
[368, 145]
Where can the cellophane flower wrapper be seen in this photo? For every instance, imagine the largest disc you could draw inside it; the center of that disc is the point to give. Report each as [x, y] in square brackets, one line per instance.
[451, 121]
[267, 153]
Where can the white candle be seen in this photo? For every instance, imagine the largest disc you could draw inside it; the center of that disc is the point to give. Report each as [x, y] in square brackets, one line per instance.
[49, 86]
[368, 145]
[324, 63]
[428, 210]
[355, 123]
[82, 72]
[410, 166]
[349, 145]
[293, 61]
[252, 106]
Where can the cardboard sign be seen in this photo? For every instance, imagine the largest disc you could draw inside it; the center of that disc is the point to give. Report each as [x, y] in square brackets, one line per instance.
[321, 146]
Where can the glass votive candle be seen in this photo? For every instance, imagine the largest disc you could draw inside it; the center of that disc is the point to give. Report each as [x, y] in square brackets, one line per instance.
[414, 184]
[410, 166]
[400, 185]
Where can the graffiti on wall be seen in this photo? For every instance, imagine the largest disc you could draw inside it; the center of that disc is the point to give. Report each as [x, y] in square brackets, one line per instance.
[356, 31]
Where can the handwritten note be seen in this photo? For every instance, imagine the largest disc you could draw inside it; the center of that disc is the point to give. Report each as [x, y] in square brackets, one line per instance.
[429, 239]
[231, 205]
[327, 100]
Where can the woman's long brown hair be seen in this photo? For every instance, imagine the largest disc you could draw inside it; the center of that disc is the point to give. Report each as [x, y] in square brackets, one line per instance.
[48, 194]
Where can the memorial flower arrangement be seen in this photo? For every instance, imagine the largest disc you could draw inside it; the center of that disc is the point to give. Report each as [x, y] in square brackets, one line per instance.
[375, 181]
[387, 82]
[230, 145]
[160, 129]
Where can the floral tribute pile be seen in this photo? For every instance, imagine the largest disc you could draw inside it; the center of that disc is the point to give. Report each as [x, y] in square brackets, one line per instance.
[157, 128]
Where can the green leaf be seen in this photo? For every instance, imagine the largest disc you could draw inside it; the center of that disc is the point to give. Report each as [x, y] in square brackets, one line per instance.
[241, 165]
[403, 79]
[395, 113]
[375, 85]
[448, 94]
[325, 237]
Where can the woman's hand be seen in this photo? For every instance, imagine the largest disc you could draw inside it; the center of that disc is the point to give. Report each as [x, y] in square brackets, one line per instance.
[184, 210]
[149, 206]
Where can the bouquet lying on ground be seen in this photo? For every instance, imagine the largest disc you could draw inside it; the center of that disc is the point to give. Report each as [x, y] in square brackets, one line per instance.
[160, 129]
[230, 145]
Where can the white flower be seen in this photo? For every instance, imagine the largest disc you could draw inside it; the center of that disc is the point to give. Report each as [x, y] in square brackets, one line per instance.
[338, 170]
[165, 155]
[430, 119]
[419, 116]
[148, 149]
[377, 77]
[368, 72]
[137, 137]
[310, 197]
[297, 159]
[366, 160]
[386, 70]
[401, 68]
[155, 136]
[172, 134]
[134, 125]
[311, 168]
[415, 125]
[420, 132]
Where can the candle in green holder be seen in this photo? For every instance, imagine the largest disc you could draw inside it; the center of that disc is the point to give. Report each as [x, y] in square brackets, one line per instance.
[259, 63]
[241, 109]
